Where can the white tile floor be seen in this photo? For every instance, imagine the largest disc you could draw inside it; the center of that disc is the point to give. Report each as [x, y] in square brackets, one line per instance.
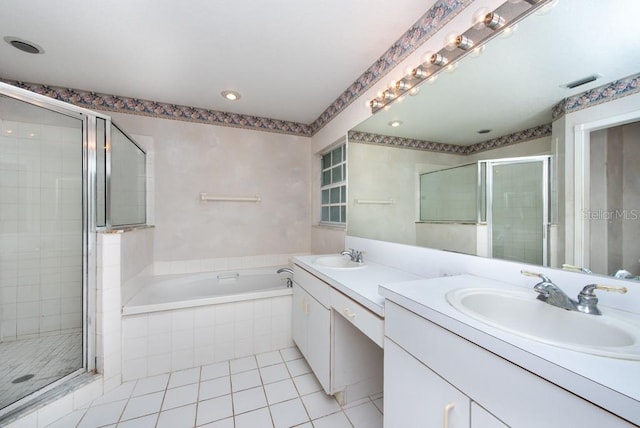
[272, 390]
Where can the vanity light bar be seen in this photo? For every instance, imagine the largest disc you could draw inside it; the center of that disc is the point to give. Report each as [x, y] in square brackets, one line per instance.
[491, 25]
[493, 21]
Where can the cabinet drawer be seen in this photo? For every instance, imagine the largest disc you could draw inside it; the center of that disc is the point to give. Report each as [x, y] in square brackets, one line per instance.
[364, 320]
[312, 285]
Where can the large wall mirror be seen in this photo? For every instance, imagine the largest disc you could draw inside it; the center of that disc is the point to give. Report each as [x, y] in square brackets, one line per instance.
[479, 140]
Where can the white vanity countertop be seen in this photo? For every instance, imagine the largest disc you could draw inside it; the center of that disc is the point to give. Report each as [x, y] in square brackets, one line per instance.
[361, 284]
[611, 383]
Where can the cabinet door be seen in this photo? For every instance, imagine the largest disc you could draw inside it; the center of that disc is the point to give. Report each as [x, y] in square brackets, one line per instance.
[414, 396]
[299, 318]
[480, 418]
[311, 332]
[318, 342]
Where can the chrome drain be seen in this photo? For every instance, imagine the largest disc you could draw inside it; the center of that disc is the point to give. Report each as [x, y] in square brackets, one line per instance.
[22, 378]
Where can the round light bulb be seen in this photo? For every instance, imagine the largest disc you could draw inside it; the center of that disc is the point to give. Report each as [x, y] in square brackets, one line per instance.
[450, 41]
[547, 8]
[477, 51]
[426, 58]
[477, 21]
[508, 32]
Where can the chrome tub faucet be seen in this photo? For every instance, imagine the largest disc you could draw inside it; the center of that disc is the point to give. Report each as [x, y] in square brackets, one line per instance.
[289, 271]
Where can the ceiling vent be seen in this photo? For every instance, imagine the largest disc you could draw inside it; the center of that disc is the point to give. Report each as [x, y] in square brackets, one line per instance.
[580, 82]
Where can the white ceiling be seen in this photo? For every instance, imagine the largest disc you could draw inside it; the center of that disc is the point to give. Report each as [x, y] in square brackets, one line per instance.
[514, 84]
[289, 59]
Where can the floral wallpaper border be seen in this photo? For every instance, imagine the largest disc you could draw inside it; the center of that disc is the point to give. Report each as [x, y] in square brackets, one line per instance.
[437, 17]
[534, 133]
[128, 105]
[433, 20]
[602, 94]
[408, 143]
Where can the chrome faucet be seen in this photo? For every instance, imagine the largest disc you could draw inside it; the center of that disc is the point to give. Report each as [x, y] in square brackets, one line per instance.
[587, 300]
[550, 293]
[625, 274]
[356, 256]
[287, 270]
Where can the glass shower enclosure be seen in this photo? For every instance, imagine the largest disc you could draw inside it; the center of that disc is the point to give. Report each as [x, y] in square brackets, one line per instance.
[507, 199]
[58, 187]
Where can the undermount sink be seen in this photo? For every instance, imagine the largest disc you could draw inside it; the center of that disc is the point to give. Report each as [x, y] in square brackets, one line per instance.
[338, 262]
[519, 312]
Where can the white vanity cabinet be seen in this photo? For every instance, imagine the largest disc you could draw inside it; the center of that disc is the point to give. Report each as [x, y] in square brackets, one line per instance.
[340, 339]
[428, 367]
[311, 323]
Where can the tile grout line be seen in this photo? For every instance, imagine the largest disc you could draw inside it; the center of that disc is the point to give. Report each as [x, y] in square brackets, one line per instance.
[296, 393]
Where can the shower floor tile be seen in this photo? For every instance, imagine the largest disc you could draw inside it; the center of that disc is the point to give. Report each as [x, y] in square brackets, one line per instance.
[40, 361]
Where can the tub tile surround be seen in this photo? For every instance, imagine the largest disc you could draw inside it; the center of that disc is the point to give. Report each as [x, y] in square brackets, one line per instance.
[167, 341]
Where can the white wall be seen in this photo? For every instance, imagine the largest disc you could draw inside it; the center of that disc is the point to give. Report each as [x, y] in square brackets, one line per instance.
[388, 173]
[190, 158]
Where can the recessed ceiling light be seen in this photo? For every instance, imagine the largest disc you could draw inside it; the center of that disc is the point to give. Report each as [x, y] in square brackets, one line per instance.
[395, 123]
[231, 95]
[24, 45]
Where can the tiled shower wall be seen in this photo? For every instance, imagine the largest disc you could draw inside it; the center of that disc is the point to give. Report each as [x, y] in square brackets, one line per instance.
[40, 230]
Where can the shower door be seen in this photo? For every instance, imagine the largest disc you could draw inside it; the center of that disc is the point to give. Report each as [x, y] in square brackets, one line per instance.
[518, 209]
[42, 237]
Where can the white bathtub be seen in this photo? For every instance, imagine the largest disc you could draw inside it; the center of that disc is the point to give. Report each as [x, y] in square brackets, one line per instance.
[177, 322]
[167, 292]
